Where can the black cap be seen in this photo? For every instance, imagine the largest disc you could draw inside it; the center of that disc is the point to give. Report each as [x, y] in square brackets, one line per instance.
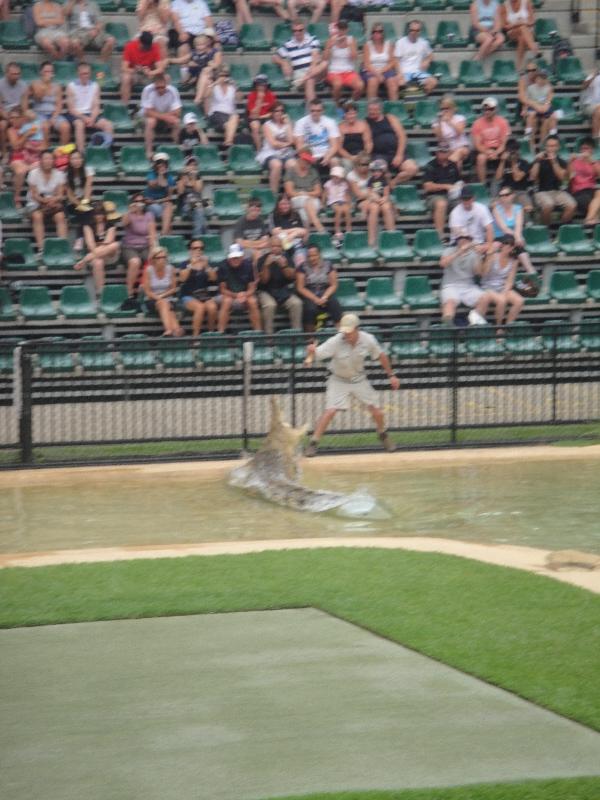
[146, 39]
[467, 193]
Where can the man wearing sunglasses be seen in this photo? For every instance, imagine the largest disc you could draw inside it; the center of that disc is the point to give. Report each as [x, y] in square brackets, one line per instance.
[300, 60]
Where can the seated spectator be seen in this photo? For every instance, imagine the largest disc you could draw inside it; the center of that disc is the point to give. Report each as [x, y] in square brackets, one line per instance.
[195, 278]
[341, 54]
[535, 97]
[389, 141]
[462, 265]
[355, 135]
[508, 221]
[337, 196]
[237, 288]
[474, 218]
[584, 172]
[277, 6]
[191, 135]
[46, 198]
[79, 187]
[414, 55]
[139, 239]
[251, 231]
[201, 63]
[26, 141]
[590, 101]
[518, 23]
[13, 95]
[489, 132]
[259, 107]
[160, 107]
[83, 106]
[46, 98]
[549, 171]
[159, 191]
[190, 18]
[142, 62]
[86, 29]
[498, 280]
[300, 60]
[277, 148]
[358, 179]
[155, 17]
[274, 278]
[303, 187]
[513, 172]
[316, 6]
[100, 236]
[160, 289]
[220, 105]
[486, 27]
[320, 133]
[285, 223]
[379, 64]
[450, 130]
[189, 189]
[441, 185]
[316, 283]
[378, 202]
[52, 34]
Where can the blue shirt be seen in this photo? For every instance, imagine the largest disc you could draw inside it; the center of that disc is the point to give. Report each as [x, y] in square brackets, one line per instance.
[157, 192]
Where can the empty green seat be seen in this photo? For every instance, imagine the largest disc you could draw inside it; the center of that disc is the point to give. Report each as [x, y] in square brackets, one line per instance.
[459, 5]
[593, 284]
[566, 104]
[94, 354]
[282, 33]
[464, 107]
[443, 342]
[357, 30]
[133, 160]
[538, 242]
[392, 247]
[111, 301]
[323, 242]
[58, 253]
[470, 73]
[209, 160]
[135, 351]
[7, 312]
[418, 151]
[558, 336]
[277, 80]
[564, 287]
[119, 197]
[226, 204]
[65, 72]
[176, 157]
[589, 333]
[262, 350]
[176, 353]
[29, 72]
[432, 5]
[418, 293]
[53, 355]
[504, 73]
[481, 192]
[406, 342]
[441, 70]
[75, 303]
[35, 303]
[252, 37]
[213, 248]
[398, 109]
[546, 31]
[481, 340]
[120, 31]
[380, 295]
[19, 250]
[573, 241]
[357, 249]
[100, 158]
[320, 30]
[176, 247]
[427, 245]
[407, 200]
[240, 75]
[13, 36]
[448, 34]
[401, 5]
[7, 347]
[389, 31]
[290, 345]
[295, 109]
[102, 74]
[216, 350]
[520, 339]
[266, 197]
[425, 112]
[8, 211]
[569, 70]
[348, 296]
[242, 160]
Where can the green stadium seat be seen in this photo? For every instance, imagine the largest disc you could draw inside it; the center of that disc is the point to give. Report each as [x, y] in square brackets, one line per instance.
[566, 104]
[120, 31]
[464, 107]
[100, 158]
[380, 295]
[36, 304]
[542, 298]
[441, 70]
[213, 248]
[176, 354]
[112, 298]
[569, 70]
[432, 5]
[295, 109]
[277, 80]
[135, 351]
[119, 116]
[593, 285]
[216, 350]
[504, 73]
[389, 31]
[589, 333]
[103, 75]
[573, 241]
[266, 197]
[443, 342]
[226, 204]
[401, 5]
[252, 37]
[320, 30]
[448, 35]
[427, 245]
[13, 36]
[94, 355]
[282, 33]
[209, 161]
[240, 75]
[481, 341]
[406, 343]
[53, 355]
[29, 71]
[7, 347]
[187, 107]
[262, 352]
[348, 296]
[357, 30]
[398, 109]
[119, 197]
[564, 287]
[65, 72]
[426, 112]
[559, 337]
[176, 157]
[407, 200]
[520, 339]
[481, 192]
[176, 247]
[357, 249]
[418, 293]
[8, 211]
[323, 242]
[538, 242]
[392, 247]
[459, 5]
[471, 74]
[596, 238]
[546, 31]
[290, 346]
[75, 303]
[7, 312]
[22, 248]
[58, 253]
[419, 152]
[133, 160]
[242, 160]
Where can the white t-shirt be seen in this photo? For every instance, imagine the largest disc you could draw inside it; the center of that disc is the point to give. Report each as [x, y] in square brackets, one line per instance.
[410, 55]
[591, 95]
[163, 103]
[222, 100]
[84, 95]
[317, 135]
[46, 185]
[191, 15]
[475, 220]
[449, 134]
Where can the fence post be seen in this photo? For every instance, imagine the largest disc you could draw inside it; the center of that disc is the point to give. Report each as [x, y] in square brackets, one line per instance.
[24, 377]
[454, 386]
[247, 352]
[554, 375]
[292, 384]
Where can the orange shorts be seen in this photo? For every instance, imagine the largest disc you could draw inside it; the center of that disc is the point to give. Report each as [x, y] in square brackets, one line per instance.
[345, 78]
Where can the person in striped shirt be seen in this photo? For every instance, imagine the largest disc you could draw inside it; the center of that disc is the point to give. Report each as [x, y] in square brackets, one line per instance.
[300, 60]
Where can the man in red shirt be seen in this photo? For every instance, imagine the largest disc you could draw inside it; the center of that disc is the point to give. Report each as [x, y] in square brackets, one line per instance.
[259, 106]
[490, 132]
[141, 62]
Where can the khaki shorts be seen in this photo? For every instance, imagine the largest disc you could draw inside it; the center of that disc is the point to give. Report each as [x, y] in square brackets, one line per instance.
[86, 38]
[558, 199]
[51, 34]
[468, 295]
[340, 391]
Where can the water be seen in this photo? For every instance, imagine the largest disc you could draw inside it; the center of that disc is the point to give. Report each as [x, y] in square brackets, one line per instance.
[551, 504]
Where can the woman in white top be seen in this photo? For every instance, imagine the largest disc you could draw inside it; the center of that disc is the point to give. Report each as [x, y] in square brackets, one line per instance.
[517, 23]
[160, 287]
[497, 281]
[219, 105]
[450, 128]
[486, 27]
[340, 54]
[278, 146]
[379, 64]
[358, 179]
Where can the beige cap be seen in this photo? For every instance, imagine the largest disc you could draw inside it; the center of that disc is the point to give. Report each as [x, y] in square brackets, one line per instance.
[349, 323]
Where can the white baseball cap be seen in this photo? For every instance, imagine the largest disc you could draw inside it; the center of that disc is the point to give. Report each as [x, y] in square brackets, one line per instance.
[490, 102]
[235, 251]
[160, 157]
[349, 323]
[189, 118]
[337, 172]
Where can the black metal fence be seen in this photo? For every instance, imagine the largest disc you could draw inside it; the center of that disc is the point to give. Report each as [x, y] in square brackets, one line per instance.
[132, 399]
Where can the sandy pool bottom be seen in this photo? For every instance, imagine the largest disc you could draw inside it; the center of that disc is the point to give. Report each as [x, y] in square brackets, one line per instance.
[253, 705]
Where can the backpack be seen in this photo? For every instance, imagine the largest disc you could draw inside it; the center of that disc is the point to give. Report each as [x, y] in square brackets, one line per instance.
[226, 33]
[561, 49]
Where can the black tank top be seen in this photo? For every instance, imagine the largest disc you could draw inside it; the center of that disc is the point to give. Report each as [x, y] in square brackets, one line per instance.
[353, 143]
[385, 141]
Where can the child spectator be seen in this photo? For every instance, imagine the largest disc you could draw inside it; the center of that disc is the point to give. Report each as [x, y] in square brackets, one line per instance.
[378, 200]
[199, 66]
[190, 134]
[337, 196]
[259, 107]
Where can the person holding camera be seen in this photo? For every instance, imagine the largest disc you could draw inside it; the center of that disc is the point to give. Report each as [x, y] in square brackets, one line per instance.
[513, 172]
[189, 189]
[160, 185]
[195, 278]
[549, 171]
[498, 279]
[220, 105]
[462, 264]
[274, 278]
[139, 239]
